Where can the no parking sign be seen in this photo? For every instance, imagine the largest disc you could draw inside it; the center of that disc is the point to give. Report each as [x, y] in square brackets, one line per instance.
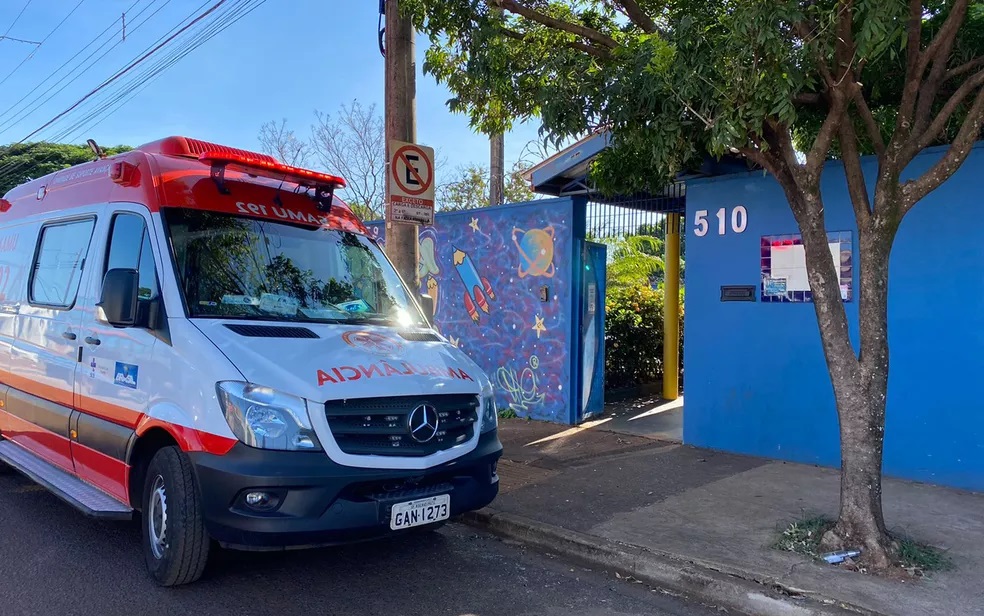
[411, 183]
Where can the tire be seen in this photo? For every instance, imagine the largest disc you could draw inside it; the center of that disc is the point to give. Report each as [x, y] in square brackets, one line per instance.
[175, 543]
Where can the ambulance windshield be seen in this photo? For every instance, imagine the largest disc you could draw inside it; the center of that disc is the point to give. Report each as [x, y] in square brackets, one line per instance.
[235, 267]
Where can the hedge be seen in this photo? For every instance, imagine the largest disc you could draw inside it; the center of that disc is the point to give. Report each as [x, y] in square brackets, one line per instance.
[634, 337]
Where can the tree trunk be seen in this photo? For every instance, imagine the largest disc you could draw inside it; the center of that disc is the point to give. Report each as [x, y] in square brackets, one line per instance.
[860, 382]
[861, 407]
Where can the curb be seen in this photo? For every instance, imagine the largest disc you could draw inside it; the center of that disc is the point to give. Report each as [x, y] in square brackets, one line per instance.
[699, 581]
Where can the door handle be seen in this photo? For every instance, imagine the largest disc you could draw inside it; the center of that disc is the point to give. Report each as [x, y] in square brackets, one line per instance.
[91, 340]
[69, 336]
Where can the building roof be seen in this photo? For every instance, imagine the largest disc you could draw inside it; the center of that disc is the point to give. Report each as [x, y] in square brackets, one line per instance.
[566, 173]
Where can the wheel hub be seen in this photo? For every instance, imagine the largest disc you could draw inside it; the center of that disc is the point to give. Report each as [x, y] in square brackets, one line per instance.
[157, 518]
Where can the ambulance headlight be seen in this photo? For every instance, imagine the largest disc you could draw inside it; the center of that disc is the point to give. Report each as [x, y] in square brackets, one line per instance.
[490, 414]
[265, 418]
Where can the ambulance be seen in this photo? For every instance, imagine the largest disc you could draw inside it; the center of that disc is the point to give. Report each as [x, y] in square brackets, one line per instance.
[206, 340]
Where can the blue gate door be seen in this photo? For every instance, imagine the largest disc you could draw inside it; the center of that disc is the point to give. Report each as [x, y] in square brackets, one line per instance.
[592, 332]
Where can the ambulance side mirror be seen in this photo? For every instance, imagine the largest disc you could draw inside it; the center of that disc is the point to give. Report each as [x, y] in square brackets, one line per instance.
[119, 297]
[427, 303]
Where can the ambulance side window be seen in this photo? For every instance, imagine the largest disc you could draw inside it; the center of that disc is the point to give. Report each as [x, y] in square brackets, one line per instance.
[58, 262]
[129, 248]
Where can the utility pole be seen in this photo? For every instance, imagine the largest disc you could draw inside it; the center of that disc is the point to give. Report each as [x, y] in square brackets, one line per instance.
[497, 171]
[401, 125]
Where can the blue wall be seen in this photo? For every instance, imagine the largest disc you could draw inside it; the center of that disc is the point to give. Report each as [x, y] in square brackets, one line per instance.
[756, 378]
[523, 344]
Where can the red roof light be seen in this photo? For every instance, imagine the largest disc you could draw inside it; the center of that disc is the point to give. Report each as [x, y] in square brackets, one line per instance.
[193, 148]
[264, 166]
[123, 173]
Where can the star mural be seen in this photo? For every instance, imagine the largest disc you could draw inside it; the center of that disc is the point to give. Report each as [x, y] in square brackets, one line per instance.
[538, 326]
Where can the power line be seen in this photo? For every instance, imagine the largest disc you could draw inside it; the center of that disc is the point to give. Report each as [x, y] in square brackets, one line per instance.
[18, 40]
[139, 81]
[136, 83]
[223, 20]
[122, 72]
[46, 37]
[16, 19]
[52, 74]
[32, 106]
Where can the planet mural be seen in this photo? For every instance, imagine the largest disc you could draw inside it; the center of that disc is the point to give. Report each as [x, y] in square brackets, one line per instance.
[536, 250]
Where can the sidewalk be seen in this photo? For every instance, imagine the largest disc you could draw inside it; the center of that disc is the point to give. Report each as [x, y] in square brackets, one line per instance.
[712, 516]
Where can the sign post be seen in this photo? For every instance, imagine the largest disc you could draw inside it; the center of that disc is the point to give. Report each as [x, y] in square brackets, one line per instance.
[410, 184]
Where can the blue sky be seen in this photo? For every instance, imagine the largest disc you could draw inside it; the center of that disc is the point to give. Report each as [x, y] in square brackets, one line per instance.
[282, 61]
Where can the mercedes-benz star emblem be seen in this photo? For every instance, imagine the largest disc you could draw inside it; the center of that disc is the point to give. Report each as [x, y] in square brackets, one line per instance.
[423, 422]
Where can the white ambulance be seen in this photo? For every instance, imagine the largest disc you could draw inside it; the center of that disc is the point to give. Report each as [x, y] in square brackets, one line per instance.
[209, 338]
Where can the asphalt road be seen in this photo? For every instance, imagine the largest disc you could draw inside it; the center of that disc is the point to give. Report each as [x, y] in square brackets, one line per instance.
[55, 561]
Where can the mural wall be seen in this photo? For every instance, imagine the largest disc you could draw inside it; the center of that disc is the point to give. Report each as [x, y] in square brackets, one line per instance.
[501, 283]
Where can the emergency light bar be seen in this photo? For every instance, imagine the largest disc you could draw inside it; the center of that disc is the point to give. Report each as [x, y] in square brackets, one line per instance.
[324, 185]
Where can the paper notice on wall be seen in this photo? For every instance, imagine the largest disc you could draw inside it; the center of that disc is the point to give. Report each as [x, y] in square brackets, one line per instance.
[775, 286]
[789, 263]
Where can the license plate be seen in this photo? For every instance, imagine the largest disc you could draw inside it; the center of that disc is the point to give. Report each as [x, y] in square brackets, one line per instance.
[421, 511]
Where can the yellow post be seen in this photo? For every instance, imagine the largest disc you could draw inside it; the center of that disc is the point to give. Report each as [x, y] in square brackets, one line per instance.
[671, 309]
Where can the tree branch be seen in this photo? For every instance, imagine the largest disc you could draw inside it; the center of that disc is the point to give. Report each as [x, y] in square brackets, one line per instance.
[944, 38]
[807, 99]
[597, 52]
[773, 164]
[913, 72]
[874, 131]
[552, 22]
[964, 68]
[914, 190]
[951, 106]
[779, 139]
[817, 155]
[939, 54]
[857, 187]
[637, 15]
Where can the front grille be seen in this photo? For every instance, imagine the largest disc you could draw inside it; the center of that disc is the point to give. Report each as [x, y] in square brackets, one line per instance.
[380, 426]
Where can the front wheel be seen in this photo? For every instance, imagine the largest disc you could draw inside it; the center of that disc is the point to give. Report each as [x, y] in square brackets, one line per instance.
[175, 543]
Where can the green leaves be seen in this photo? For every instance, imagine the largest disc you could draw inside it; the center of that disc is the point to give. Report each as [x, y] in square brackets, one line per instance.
[634, 260]
[21, 162]
[714, 76]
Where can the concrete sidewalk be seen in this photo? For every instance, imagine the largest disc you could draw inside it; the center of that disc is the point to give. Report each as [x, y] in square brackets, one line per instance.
[713, 515]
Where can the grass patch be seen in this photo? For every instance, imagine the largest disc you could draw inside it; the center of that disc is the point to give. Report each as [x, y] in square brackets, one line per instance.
[803, 537]
[919, 557]
[507, 414]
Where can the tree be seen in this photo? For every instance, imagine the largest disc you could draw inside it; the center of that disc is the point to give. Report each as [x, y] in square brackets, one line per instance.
[352, 144]
[468, 189]
[634, 261]
[787, 85]
[22, 162]
[280, 142]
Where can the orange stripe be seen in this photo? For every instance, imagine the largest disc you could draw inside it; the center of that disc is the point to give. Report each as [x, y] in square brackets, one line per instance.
[189, 439]
[91, 406]
[41, 390]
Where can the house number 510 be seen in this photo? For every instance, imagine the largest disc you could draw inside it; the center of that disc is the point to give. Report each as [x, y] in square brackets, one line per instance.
[739, 220]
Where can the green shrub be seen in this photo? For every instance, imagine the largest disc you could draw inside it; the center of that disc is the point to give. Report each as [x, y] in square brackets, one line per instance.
[634, 336]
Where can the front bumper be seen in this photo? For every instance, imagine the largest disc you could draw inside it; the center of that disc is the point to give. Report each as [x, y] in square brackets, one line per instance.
[323, 503]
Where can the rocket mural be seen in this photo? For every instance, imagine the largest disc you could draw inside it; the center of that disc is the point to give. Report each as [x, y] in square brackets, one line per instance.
[478, 290]
[487, 271]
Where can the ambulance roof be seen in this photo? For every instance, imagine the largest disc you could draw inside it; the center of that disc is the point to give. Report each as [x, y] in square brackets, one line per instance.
[184, 172]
